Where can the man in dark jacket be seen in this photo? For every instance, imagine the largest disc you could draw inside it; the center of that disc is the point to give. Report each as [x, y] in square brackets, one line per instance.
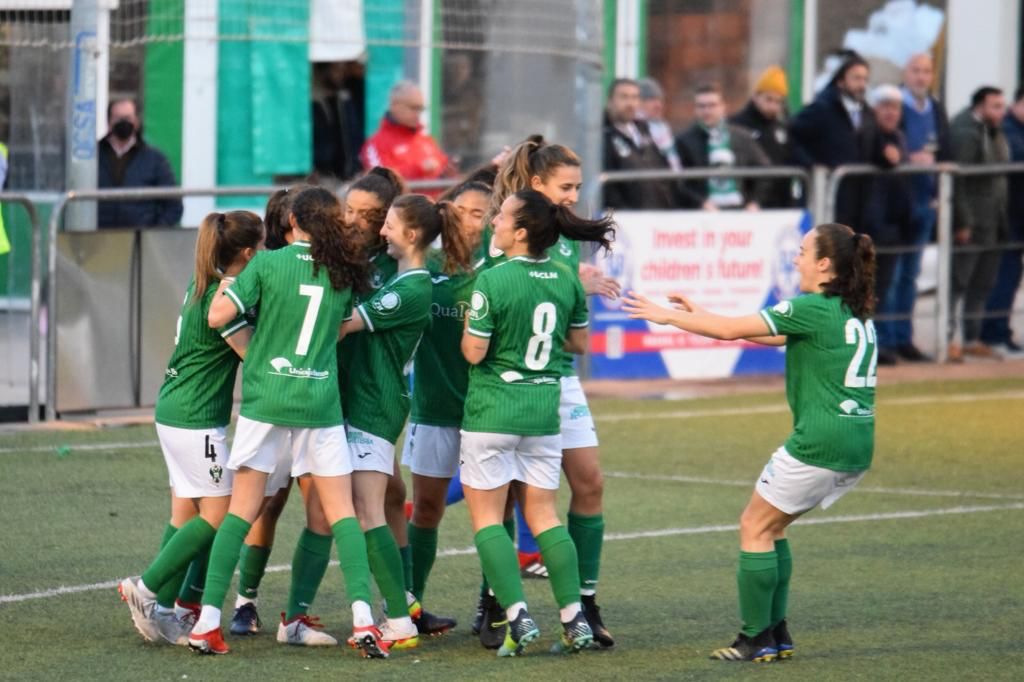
[125, 160]
[996, 331]
[712, 142]
[838, 128]
[628, 146]
[765, 118]
[979, 213]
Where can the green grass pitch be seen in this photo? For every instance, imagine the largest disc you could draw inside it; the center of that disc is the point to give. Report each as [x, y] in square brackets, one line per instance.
[916, 575]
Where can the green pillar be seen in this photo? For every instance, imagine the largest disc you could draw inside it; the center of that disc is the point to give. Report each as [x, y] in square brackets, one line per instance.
[163, 75]
[795, 63]
[385, 23]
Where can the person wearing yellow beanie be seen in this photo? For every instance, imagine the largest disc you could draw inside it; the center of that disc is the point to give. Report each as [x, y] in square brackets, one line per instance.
[765, 118]
[772, 80]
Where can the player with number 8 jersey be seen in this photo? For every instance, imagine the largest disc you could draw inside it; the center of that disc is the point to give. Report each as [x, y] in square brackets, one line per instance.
[831, 358]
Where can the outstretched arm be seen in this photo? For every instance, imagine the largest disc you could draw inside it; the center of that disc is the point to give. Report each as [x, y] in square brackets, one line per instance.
[689, 317]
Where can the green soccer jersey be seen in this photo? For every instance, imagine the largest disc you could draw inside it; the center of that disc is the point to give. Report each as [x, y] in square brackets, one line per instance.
[441, 373]
[525, 307]
[831, 358]
[199, 383]
[375, 378]
[290, 373]
[565, 251]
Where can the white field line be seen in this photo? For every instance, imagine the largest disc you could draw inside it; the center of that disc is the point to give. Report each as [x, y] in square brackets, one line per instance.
[611, 537]
[701, 480]
[610, 418]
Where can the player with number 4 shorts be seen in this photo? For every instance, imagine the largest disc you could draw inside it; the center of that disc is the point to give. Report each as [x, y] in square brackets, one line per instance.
[831, 357]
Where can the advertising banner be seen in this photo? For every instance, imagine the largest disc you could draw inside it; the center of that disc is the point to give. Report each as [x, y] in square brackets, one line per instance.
[732, 263]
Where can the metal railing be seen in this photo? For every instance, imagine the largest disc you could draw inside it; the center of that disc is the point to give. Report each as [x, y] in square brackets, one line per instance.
[25, 201]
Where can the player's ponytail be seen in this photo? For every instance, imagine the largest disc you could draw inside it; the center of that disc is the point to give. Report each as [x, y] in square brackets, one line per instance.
[544, 222]
[222, 236]
[531, 157]
[853, 262]
[319, 214]
[432, 220]
[275, 216]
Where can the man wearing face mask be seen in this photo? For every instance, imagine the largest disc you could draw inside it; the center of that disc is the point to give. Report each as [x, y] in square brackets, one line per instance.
[125, 160]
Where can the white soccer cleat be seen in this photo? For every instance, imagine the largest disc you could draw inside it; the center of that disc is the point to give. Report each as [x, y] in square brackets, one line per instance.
[399, 633]
[302, 631]
[143, 610]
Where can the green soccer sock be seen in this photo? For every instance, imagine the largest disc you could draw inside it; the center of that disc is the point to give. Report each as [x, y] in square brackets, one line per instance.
[167, 572]
[423, 543]
[559, 554]
[757, 578]
[309, 564]
[195, 579]
[227, 546]
[355, 567]
[510, 527]
[780, 602]
[587, 533]
[251, 567]
[499, 563]
[164, 596]
[386, 567]
[407, 565]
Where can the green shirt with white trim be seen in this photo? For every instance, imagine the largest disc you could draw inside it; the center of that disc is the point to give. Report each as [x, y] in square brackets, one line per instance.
[290, 374]
[199, 382]
[831, 357]
[525, 307]
[375, 375]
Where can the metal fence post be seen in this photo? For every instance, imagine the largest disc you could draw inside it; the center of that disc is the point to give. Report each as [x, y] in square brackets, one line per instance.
[819, 193]
[944, 274]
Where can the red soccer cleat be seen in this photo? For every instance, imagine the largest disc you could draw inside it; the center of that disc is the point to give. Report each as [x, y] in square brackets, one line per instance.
[211, 642]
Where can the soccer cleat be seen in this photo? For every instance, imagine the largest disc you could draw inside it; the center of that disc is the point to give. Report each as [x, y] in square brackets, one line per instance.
[783, 640]
[143, 610]
[592, 612]
[246, 620]
[518, 633]
[492, 629]
[531, 566]
[187, 613]
[368, 640]
[211, 642]
[429, 624]
[576, 635]
[399, 633]
[173, 628]
[302, 631]
[481, 610]
[759, 649]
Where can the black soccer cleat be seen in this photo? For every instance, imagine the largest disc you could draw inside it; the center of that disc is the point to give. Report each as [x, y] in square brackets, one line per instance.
[481, 610]
[431, 625]
[592, 612]
[759, 649]
[783, 640]
[576, 635]
[492, 629]
[518, 633]
[246, 620]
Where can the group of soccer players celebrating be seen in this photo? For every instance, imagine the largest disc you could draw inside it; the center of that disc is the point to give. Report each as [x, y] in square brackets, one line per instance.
[480, 296]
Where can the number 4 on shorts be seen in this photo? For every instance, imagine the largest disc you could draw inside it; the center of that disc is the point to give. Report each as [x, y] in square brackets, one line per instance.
[210, 452]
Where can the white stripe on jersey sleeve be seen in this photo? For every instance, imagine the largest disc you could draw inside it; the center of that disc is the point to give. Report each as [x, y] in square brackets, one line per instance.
[366, 318]
[771, 323]
[475, 332]
[231, 331]
[234, 299]
[580, 325]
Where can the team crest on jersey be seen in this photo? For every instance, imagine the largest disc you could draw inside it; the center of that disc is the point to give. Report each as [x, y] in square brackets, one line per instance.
[564, 249]
[784, 308]
[216, 472]
[377, 280]
[388, 303]
[480, 306]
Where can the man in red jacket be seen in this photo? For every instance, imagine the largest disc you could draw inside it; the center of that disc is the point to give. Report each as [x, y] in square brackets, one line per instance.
[400, 143]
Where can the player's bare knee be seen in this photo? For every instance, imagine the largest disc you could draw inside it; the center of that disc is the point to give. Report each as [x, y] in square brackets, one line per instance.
[427, 513]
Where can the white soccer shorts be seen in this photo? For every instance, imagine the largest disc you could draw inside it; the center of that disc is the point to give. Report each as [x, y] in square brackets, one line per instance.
[432, 450]
[577, 425]
[793, 487]
[196, 460]
[490, 460]
[368, 452]
[283, 451]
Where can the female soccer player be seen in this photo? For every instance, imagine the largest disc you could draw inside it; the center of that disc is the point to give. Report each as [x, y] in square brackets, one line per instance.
[440, 377]
[831, 355]
[291, 417]
[555, 171]
[375, 383]
[192, 414]
[523, 311]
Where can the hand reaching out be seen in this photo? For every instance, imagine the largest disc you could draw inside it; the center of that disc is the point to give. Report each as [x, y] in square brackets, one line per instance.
[594, 281]
[683, 303]
[640, 307]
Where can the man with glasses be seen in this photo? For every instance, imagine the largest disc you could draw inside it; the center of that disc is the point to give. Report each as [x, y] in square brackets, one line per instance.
[401, 143]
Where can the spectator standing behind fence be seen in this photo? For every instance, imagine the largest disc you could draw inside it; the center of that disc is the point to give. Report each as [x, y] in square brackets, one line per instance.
[337, 120]
[888, 211]
[765, 118]
[712, 142]
[628, 146]
[926, 128]
[837, 128]
[652, 110]
[996, 331]
[401, 143]
[979, 213]
[126, 161]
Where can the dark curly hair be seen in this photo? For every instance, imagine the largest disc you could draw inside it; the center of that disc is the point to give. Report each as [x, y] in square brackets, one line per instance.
[319, 214]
